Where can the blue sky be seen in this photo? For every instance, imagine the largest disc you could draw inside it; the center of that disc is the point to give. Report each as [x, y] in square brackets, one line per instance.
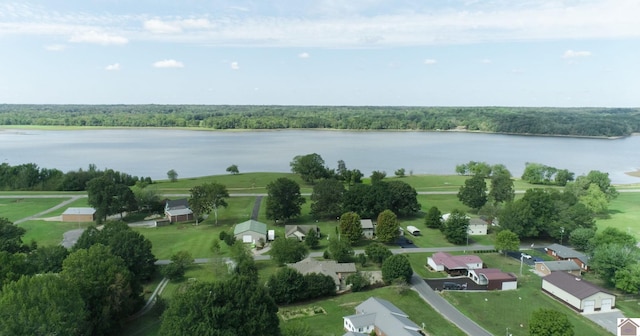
[327, 52]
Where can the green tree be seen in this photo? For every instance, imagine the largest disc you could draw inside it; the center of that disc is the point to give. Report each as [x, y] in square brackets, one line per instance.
[377, 253]
[580, 237]
[474, 192]
[549, 322]
[312, 239]
[47, 259]
[180, 261]
[310, 167]
[11, 237]
[239, 306]
[42, 305]
[350, 227]
[340, 250]
[109, 197]
[501, 188]
[12, 267]
[387, 227]
[433, 219]
[206, 198]
[610, 258]
[288, 250]
[400, 172]
[147, 197]
[104, 283]
[481, 169]
[456, 227]
[287, 286]
[358, 282]
[396, 267]
[403, 198]
[563, 176]
[172, 175]
[507, 241]
[319, 285]
[534, 173]
[284, 200]
[613, 235]
[233, 169]
[595, 200]
[627, 279]
[377, 176]
[326, 198]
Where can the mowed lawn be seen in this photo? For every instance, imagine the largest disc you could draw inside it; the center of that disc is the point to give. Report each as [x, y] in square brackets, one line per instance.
[18, 208]
[624, 214]
[47, 233]
[498, 310]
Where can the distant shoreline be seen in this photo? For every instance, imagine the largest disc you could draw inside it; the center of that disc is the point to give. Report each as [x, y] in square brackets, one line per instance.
[81, 128]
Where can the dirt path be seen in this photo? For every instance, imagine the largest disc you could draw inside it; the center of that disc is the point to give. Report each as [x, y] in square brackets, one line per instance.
[39, 214]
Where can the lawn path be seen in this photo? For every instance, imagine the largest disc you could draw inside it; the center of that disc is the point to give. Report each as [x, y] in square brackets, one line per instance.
[39, 214]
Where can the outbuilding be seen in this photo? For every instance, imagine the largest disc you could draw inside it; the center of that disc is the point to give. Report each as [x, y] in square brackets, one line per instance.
[546, 267]
[577, 293]
[251, 231]
[79, 215]
[413, 230]
[368, 230]
[494, 278]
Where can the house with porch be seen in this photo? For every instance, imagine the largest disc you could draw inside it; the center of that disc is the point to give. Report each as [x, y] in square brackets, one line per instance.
[178, 210]
[454, 265]
[299, 232]
[381, 317]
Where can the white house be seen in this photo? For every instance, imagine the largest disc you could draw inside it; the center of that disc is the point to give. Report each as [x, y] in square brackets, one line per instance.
[477, 227]
[367, 228]
[577, 293]
[382, 317]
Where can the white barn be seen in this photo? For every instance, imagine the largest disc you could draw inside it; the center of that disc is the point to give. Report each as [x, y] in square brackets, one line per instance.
[577, 293]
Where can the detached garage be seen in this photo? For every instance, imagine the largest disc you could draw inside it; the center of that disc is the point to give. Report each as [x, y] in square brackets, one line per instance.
[79, 215]
[250, 232]
[577, 293]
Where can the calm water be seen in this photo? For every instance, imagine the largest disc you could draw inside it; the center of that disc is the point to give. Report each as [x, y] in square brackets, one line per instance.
[152, 152]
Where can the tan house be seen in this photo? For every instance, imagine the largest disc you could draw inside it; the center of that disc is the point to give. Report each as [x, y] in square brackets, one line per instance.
[178, 210]
[577, 293]
[299, 232]
[546, 267]
[79, 215]
[338, 271]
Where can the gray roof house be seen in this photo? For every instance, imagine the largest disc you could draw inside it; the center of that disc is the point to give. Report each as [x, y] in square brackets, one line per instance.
[250, 231]
[546, 267]
[561, 252]
[383, 317]
[338, 271]
[367, 228]
[178, 210]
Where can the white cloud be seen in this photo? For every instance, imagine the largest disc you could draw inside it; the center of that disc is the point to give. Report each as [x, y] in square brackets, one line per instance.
[160, 27]
[55, 47]
[168, 63]
[573, 54]
[234, 65]
[485, 61]
[93, 36]
[113, 67]
[304, 55]
[430, 61]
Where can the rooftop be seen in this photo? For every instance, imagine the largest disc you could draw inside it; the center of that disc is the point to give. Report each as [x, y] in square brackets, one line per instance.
[250, 225]
[79, 211]
[573, 285]
[567, 252]
[560, 265]
[455, 262]
[387, 317]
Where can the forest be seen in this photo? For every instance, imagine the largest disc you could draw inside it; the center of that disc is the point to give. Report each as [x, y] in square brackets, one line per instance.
[589, 122]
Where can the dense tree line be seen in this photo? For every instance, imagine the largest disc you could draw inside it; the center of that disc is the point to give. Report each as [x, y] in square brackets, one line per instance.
[29, 176]
[517, 120]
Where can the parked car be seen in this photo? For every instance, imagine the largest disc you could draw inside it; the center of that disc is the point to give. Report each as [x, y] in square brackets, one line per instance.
[451, 285]
[526, 256]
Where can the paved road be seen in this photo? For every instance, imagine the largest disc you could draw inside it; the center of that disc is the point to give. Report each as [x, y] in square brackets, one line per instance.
[445, 309]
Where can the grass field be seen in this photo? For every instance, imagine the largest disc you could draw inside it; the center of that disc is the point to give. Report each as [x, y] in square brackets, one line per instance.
[48, 233]
[18, 208]
[624, 214]
[239, 183]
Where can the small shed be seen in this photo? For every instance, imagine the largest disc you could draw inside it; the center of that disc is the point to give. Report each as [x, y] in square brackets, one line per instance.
[546, 267]
[477, 227]
[367, 228]
[577, 293]
[250, 231]
[79, 215]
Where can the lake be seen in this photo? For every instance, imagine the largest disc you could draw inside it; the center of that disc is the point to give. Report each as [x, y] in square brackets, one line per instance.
[152, 152]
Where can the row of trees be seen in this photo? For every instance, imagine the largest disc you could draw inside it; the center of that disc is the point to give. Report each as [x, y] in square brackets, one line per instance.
[537, 173]
[88, 291]
[517, 120]
[29, 176]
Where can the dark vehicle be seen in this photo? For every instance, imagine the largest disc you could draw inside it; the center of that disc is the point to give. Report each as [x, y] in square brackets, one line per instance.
[451, 286]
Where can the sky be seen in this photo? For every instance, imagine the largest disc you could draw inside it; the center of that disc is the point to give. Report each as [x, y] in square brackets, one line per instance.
[561, 53]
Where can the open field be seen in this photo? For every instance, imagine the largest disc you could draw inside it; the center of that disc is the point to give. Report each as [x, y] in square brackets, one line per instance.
[18, 208]
[625, 214]
[239, 183]
[48, 233]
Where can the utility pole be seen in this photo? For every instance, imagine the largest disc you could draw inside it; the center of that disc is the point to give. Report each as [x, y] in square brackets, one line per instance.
[561, 234]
